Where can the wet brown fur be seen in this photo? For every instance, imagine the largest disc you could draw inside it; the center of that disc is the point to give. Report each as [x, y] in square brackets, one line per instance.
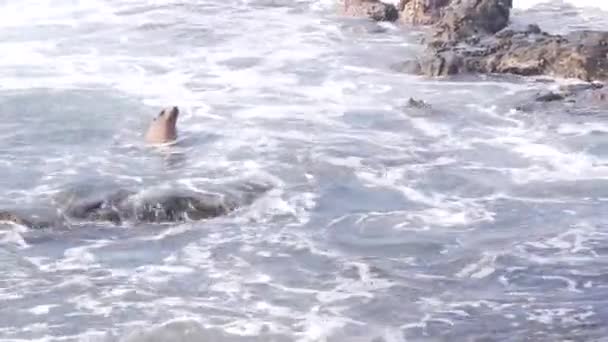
[163, 128]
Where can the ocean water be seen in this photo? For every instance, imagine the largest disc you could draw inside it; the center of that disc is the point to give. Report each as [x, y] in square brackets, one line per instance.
[469, 222]
[589, 4]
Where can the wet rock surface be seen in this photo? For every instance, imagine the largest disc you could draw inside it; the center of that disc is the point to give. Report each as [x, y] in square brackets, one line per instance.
[579, 99]
[421, 12]
[472, 36]
[14, 218]
[151, 206]
[581, 55]
[549, 97]
[373, 9]
[417, 104]
[467, 20]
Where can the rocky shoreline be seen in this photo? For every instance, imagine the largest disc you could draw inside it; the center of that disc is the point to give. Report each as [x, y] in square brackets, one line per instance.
[473, 36]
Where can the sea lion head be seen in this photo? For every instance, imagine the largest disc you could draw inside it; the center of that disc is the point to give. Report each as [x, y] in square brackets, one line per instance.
[163, 127]
[169, 114]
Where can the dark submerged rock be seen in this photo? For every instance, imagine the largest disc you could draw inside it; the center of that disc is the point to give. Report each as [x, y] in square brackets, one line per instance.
[579, 87]
[550, 96]
[578, 99]
[10, 217]
[86, 203]
[373, 9]
[30, 221]
[417, 104]
[156, 206]
[177, 207]
[91, 204]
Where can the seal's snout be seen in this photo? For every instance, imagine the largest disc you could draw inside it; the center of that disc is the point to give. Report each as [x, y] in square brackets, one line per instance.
[174, 112]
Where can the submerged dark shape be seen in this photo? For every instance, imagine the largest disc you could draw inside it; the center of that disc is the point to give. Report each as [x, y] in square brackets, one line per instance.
[7, 216]
[373, 9]
[177, 207]
[158, 205]
[150, 206]
[418, 104]
[579, 99]
[27, 220]
[549, 97]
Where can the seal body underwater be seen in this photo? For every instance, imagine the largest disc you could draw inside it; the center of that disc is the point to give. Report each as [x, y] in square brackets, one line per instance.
[163, 128]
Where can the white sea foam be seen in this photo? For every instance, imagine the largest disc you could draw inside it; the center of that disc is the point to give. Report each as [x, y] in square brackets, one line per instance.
[310, 114]
[42, 309]
[13, 235]
[525, 4]
[481, 269]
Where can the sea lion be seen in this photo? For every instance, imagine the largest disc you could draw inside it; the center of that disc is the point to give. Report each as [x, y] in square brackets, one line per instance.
[162, 129]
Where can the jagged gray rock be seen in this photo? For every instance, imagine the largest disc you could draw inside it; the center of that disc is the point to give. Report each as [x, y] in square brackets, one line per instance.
[373, 9]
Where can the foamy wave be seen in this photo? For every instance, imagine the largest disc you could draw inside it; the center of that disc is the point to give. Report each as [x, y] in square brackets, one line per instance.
[13, 235]
[525, 4]
[379, 222]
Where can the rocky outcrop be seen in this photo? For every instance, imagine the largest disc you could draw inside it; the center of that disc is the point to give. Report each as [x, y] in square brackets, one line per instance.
[468, 20]
[22, 220]
[471, 36]
[421, 12]
[373, 9]
[34, 219]
[577, 99]
[581, 55]
[151, 206]
[416, 104]
[148, 208]
[450, 16]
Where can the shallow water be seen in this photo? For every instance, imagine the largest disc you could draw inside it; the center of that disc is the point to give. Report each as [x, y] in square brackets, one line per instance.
[473, 222]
